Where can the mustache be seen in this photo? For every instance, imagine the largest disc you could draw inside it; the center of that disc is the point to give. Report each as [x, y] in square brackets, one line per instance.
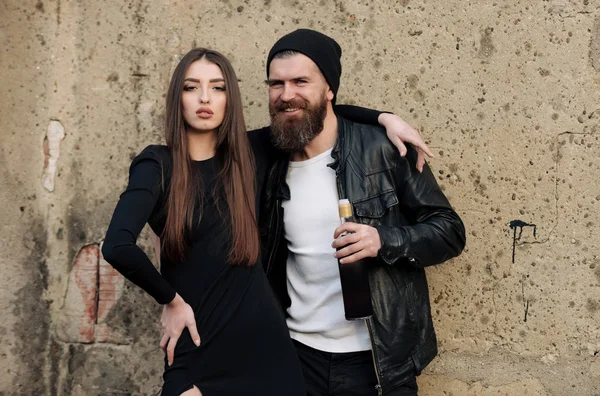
[298, 103]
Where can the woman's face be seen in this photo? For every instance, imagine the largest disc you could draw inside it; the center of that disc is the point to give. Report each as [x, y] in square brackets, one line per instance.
[203, 97]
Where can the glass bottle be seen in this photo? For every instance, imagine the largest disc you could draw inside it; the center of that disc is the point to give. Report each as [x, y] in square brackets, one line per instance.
[354, 277]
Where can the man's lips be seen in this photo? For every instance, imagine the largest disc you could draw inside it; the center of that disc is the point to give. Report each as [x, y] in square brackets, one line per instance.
[291, 110]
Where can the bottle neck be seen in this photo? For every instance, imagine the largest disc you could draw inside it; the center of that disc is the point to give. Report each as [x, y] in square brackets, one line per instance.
[346, 219]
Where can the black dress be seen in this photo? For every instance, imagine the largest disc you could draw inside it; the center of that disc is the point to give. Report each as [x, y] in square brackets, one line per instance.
[245, 345]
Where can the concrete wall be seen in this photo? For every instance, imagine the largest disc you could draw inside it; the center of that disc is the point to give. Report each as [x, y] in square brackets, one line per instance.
[507, 92]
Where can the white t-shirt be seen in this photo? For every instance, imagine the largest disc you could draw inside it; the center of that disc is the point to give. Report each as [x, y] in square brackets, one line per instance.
[313, 278]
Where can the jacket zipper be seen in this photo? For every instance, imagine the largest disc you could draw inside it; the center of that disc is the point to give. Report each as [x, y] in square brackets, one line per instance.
[378, 386]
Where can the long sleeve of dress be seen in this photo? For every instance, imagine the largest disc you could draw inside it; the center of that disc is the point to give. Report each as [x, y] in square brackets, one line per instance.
[358, 114]
[133, 210]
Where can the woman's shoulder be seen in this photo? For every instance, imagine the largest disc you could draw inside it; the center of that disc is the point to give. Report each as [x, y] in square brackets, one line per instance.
[157, 153]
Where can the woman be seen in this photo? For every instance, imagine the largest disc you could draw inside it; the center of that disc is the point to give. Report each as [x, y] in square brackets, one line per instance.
[199, 193]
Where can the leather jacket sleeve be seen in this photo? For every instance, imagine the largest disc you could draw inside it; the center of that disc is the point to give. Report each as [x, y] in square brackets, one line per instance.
[436, 232]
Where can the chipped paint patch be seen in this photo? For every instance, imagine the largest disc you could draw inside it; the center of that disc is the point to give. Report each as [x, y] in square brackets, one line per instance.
[94, 288]
[54, 136]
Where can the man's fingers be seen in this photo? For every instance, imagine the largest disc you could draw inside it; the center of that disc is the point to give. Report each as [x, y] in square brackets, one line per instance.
[194, 333]
[163, 341]
[171, 349]
[340, 242]
[348, 250]
[346, 227]
[361, 254]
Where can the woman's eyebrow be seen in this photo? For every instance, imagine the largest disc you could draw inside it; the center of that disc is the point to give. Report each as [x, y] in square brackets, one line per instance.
[214, 80]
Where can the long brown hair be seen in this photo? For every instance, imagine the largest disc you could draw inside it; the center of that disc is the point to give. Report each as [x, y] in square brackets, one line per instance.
[237, 168]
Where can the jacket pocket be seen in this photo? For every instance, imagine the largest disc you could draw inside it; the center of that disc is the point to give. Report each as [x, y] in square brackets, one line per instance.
[404, 285]
[375, 207]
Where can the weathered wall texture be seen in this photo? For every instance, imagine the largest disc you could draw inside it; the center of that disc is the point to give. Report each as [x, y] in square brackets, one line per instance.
[507, 92]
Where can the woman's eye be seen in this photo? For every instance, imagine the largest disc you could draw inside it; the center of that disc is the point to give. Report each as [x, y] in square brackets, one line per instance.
[189, 88]
[220, 88]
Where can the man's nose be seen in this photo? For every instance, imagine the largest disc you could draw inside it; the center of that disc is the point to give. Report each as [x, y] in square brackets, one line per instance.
[288, 93]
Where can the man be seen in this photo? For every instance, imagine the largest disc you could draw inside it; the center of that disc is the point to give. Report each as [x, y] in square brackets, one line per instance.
[405, 223]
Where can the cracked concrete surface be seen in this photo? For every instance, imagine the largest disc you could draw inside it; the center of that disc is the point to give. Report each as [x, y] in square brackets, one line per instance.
[595, 45]
[506, 93]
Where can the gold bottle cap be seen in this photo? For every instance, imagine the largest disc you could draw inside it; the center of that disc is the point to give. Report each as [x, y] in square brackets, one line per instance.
[344, 207]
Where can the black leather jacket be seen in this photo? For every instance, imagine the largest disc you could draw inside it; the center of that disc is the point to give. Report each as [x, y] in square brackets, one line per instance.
[417, 227]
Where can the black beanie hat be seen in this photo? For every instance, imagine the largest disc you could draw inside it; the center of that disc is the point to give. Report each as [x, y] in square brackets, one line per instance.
[322, 49]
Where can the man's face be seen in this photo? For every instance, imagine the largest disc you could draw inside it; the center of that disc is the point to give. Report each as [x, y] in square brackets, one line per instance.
[298, 99]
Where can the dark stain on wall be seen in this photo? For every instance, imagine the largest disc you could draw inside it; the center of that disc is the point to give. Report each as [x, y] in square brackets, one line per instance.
[83, 223]
[55, 356]
[519, 224]
[43, 272]
[33, 316]
[486, 45]
[76, 359]
[76, 232]
[135, 314]
[101, 371]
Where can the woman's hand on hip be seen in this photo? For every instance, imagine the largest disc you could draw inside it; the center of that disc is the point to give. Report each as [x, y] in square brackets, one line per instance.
[176, 316]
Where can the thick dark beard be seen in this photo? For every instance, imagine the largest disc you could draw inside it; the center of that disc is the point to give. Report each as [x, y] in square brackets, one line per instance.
[293, 134]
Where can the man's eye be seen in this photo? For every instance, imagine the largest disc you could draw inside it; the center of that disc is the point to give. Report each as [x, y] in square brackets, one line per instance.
[273, 84]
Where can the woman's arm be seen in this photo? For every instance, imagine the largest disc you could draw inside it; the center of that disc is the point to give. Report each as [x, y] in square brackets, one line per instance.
[398, 131]
[133, 210]
[120, 249]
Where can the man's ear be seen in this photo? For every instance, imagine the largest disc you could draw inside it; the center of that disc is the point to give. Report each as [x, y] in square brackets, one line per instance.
[330, 94]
